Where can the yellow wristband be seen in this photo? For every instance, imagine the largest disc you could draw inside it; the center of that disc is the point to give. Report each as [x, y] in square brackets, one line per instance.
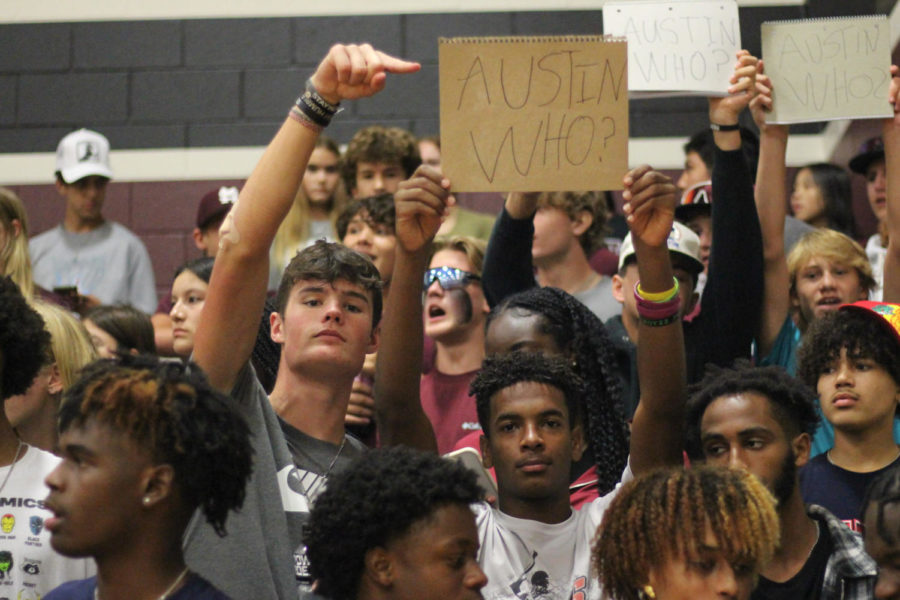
[659, 296]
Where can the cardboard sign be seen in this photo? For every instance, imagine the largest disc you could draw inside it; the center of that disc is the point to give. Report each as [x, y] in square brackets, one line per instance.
[677, 48]
[533, 113]
[827, 69]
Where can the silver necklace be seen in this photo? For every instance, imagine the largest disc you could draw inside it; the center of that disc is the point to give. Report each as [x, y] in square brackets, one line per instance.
[165, 594]
[13, 465]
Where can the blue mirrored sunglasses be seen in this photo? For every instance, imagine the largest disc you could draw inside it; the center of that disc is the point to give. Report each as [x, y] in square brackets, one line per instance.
[449, 277]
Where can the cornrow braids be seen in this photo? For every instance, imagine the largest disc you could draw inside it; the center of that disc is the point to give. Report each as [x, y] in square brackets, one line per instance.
[666, 515]
[169, 409]
[580, 334]
[882, 492]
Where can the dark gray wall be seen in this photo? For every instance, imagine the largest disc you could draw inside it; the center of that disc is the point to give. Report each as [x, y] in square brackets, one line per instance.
[229, 82]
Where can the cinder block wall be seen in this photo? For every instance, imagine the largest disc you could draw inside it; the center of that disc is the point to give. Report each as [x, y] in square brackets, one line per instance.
[230, 82]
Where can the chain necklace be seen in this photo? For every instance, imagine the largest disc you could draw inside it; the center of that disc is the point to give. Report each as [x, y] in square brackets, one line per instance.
[165, 594]
[13, 465]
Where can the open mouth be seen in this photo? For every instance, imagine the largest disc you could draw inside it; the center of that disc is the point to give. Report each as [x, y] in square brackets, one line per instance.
[829, 302]
[435, 311]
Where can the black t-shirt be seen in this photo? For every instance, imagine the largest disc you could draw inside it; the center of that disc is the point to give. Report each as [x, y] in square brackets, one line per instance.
[807, 583]
[839, 490]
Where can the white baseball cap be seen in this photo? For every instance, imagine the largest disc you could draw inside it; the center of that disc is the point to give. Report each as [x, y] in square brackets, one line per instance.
[81, 154]
[681, 240]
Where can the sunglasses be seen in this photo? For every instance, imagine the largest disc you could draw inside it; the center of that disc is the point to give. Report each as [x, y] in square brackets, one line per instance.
[449, 277]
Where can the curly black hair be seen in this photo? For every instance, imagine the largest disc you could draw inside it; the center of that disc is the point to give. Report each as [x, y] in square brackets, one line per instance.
[170, 410]
[793, 403]
[378, 498]
[501, 371]
[374, 210]
[863, 335]
[24, 341]
[580, 334]
[883, 491]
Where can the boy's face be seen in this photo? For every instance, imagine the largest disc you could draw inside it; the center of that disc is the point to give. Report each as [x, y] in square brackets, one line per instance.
[373, 178]
[84, 198]
[739, 431]
[436, 558]
[326, 327]
[377, 241]
[822, 285]
[554, 234]
[694, 172]
[96, 491]
[454, 314]
[857, 394]
[531, 446]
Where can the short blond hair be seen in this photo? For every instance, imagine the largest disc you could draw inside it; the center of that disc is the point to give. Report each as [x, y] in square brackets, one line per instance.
[473, 248]
[573, 203]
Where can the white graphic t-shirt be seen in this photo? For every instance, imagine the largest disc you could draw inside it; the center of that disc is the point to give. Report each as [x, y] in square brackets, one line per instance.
[529, 560]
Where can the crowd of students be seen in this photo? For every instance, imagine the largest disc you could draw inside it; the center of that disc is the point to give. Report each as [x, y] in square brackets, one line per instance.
[713, 416]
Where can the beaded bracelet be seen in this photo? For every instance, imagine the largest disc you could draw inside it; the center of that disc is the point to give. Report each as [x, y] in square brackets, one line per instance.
[301, 118]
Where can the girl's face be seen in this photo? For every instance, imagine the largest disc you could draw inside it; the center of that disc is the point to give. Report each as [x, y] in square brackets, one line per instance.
[188, 296]
[105, 344]
[321, 176]
[807, 202]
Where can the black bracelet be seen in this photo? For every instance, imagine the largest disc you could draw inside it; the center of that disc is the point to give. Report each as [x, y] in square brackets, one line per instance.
[717, 127]
[661, 322]
[314, 107]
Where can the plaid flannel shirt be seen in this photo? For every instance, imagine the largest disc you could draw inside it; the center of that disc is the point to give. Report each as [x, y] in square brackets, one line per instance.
[850, 573]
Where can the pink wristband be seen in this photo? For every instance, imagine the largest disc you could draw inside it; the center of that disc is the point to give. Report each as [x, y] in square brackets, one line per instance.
[656, 310]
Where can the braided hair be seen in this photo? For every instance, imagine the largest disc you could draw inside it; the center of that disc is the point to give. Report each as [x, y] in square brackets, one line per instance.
[580, 334]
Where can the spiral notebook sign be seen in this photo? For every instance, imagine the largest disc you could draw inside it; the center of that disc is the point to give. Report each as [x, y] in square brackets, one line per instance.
[534, 113]
[677, 48]
[827, 69]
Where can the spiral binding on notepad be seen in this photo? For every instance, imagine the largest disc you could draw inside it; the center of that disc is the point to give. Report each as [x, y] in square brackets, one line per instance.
[531, 39]
[828, 19]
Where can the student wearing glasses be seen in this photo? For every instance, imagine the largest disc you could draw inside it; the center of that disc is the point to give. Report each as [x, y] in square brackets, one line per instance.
[455, 312]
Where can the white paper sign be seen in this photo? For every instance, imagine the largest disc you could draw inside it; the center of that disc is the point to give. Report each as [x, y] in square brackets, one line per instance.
[828, 69]
[677, 48]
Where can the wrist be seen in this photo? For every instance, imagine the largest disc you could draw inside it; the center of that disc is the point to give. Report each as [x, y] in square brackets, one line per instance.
[717, 126]
[329, 97]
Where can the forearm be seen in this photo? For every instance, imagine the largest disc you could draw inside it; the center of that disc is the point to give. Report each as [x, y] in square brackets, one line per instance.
[507, 262]
[732, 297]
[237, 289]
[400, 417]
[656, 432]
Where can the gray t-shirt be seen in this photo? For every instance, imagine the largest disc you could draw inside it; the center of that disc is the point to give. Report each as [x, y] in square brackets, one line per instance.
[263, 555]
[109, 262]
[600, 299]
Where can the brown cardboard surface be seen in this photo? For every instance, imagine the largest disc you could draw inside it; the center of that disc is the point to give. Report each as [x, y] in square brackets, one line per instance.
[534, 113]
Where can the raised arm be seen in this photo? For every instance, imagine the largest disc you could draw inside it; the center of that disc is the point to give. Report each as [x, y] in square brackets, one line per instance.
[656, 432]
[237, 288]
[891, 136]
[421, 203]
[733, 293]
[771, 205]
[507, 260]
